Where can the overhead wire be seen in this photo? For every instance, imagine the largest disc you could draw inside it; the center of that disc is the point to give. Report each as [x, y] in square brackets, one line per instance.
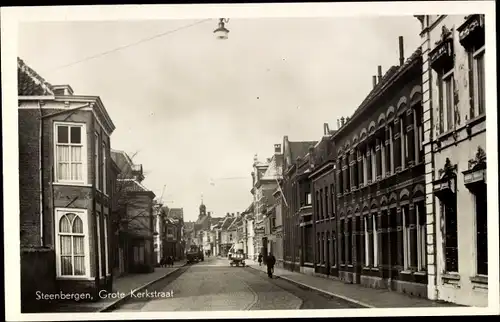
[128, 46]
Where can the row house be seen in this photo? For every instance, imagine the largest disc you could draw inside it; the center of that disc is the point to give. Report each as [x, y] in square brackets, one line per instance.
[216, 233]
[189, 235]
[173, 233]
[133, 219]
[65, 189]
[324, 219]
[297, 210]
[270, 182]
[227, 234]
[276, 225]
[380, 184]
[259, 168]
[248, 231]
[455, 143]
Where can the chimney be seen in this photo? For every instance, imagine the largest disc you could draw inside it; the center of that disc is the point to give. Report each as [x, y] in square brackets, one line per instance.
[238, 214]
[342, 121]
[228, 214]
[374, 81]
[326, 129]
[401, 51]
[232, 214]
[277, 149]
[338, 124]
[379, 73]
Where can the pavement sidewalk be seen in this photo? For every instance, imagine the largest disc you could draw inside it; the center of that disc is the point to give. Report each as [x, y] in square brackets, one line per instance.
[125, 284]
[358, 294]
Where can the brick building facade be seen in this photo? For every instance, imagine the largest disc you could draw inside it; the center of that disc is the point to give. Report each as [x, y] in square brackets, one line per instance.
[380, 185]
[65, 203]
[324, 219]
[298, 204]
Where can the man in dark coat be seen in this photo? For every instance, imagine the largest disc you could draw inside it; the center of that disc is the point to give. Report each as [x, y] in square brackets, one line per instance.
[260, 259]
[271, 260]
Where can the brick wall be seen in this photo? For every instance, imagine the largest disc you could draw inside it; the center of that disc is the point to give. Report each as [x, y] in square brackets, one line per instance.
[29, 181]
[38, 273]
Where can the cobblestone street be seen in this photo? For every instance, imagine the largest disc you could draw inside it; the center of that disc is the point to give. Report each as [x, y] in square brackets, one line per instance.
[213, 285]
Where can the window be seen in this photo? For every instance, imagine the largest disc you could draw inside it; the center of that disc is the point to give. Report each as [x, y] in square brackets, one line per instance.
[396, 248]
[419, 134]
[308, 199]
[391, 148]
[481, 231]
[367, 244]
[382, 153]
[96, 162]
[421, 235]
[404, 142]
[342, 242]
[446, 106]
[99, 247]
[326, 203]
[70, 152]
[448, 208]
[374, 164]
[478, 104]
[71, 243]
[332, 201]
[365, 170]
[106, 254]
[349, 241]
[375, 241]
[104, 168]
[333, 250]
[406, 237]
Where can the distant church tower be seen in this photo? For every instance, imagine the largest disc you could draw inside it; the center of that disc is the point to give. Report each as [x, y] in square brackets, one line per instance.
[203, 208]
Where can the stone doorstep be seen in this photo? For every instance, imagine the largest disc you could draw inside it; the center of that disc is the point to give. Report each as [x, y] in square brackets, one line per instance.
[117, 302]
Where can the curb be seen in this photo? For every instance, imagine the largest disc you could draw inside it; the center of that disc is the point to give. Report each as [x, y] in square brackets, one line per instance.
[116, 303]
[329, 294]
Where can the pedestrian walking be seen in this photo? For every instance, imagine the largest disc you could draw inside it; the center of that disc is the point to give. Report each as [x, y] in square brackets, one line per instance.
[259, 259]
[271, 260]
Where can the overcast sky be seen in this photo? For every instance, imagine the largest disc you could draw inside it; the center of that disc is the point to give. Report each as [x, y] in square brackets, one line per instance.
[196, 108]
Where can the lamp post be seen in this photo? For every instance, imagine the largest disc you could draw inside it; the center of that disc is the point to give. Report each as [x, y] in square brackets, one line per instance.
[221, 32]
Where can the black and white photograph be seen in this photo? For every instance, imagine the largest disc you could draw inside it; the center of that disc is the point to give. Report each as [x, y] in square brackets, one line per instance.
[217, 160]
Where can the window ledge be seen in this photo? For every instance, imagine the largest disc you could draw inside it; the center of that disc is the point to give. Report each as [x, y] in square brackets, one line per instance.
[422, 273]
[375, 269]
[443, 136]
[342, 265]
[479, 279]
[366, 268]
[450, 277]
[73, 278]
[351, 266]
[73, 184]
[475, 120]
[406, 272]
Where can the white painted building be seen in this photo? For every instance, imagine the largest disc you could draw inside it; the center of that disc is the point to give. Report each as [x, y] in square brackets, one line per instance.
[455, 141]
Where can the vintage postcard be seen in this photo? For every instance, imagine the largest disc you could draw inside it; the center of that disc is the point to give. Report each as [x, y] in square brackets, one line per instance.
[250, 160]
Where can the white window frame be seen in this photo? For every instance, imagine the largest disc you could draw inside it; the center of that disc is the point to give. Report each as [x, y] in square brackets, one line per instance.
[475, 55]
[104, 168]
[406, 241]
[402, 137]
[83, 214]
[476, 215]
[83, 144]
[374, 163]
[99, 245]
[365, 169]
[382, 154]
[421, 237]
[391, 149]
[448, 78]
[367, 244]
[96, 161]
[375, 241]
[106, 243]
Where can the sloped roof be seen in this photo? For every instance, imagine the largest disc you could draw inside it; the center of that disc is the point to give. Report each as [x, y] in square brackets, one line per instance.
[176, 213]
[29, 83]
[387, 80]
[132, 185]
[300, 149]
[274, 170]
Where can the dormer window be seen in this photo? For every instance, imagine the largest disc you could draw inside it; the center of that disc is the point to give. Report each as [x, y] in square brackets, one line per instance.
[441, 57]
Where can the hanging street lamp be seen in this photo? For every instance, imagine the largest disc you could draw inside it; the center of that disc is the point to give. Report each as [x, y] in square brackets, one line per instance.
[221, 32]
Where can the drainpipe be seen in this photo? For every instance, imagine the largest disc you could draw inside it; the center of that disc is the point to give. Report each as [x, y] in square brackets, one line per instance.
[40, 174]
